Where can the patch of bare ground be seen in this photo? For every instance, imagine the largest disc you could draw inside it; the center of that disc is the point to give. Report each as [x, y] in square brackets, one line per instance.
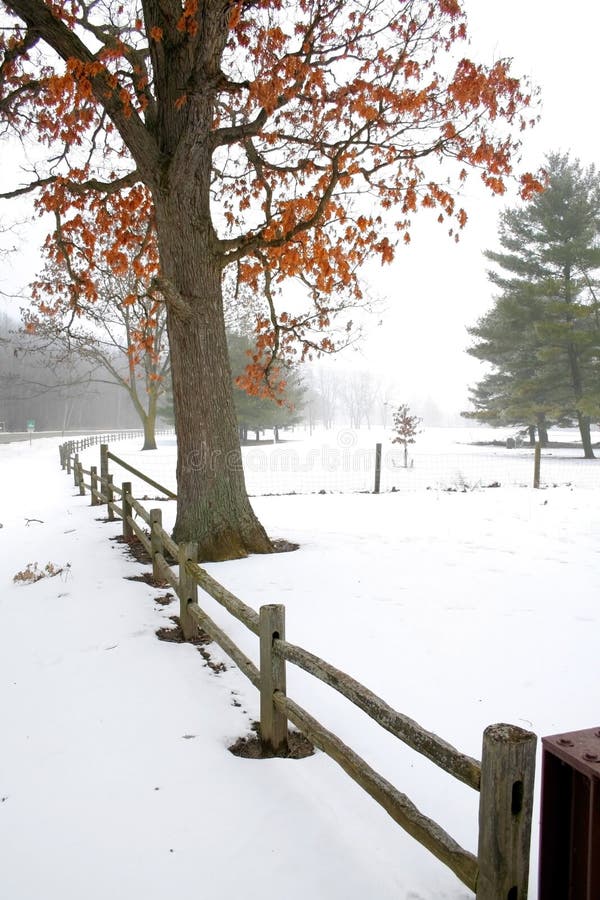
[134, 548]
[251, 746]
[280, 545]
[147, 578]
[200, 640]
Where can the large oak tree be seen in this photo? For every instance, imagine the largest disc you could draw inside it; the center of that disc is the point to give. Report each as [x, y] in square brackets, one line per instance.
[272, 135]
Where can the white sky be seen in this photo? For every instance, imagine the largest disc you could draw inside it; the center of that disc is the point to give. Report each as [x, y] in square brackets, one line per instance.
[435, 289]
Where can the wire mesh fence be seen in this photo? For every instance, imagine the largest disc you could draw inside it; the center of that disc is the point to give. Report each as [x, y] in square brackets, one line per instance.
[345, 462]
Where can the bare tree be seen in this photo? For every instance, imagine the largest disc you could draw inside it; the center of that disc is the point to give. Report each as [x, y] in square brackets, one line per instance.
[123, 340]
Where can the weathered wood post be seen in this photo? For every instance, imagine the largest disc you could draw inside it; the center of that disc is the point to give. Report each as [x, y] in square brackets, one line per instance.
[76, 470]
[94, 485]
[109, 498]
[61, 453]
[127, 510]
[103, 467]
[188, 589]
[377, 468]
[68, 462]
[505, 811]
[537, 463]
[273, 723]
[156, 540]
[81, 481]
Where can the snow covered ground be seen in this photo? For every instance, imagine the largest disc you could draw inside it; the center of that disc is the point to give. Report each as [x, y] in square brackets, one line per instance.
[461, 608]
[343, 461]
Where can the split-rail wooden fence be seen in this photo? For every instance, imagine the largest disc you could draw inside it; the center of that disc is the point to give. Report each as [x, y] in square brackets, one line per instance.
[504, 777]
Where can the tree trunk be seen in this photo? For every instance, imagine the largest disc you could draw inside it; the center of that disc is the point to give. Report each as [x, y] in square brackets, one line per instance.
[149, 422]
[531, 432]
[583, 423]
[542, 428]
[212, 506]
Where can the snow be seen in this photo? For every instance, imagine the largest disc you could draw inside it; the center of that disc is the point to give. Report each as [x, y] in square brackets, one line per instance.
[460, 608]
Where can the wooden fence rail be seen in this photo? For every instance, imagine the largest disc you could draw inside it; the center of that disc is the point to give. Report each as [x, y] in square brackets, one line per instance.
[150, 481]
[504, 777]
[424, 742]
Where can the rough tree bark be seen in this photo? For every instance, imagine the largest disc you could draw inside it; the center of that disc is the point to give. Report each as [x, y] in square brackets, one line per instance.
[583, 421]
[213, 506]
[542, 427]
[149, 431]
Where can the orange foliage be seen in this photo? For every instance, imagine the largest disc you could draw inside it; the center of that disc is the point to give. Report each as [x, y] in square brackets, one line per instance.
[307, 113]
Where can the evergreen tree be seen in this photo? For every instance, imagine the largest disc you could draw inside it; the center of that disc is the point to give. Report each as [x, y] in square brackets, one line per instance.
[542, 335]
[254, 413]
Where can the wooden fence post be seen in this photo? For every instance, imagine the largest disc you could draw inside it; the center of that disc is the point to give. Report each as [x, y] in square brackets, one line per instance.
[103, 466]
[505, 811]
[273, 723]
[61, 453]
[188, 589]
[155, 540]
[68, 462]
[377, 468]
[76, 470]
[537, 463]
[80, 478]
[127, 510]
[94, 485]
[109, 498]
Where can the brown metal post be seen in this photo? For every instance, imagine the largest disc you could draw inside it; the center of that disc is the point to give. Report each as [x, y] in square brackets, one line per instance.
[570, 816]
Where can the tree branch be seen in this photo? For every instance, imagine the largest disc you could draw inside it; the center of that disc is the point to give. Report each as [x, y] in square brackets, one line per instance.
[39, 18]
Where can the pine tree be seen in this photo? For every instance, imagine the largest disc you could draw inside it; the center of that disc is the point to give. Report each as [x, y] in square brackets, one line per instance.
[255, 412]
[542, 334]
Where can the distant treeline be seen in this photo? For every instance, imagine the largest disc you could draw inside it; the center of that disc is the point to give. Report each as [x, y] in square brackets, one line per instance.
[58, 397]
